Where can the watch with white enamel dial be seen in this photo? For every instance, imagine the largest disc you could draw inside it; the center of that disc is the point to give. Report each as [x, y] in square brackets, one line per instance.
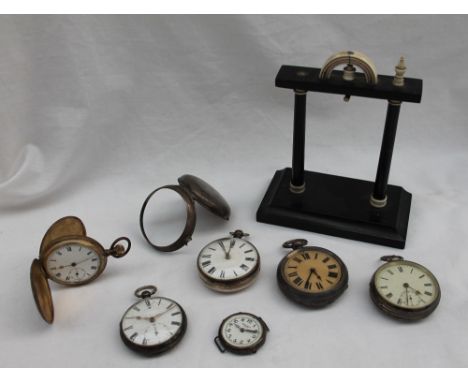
[403, 289]
[69, 257]
[229, 264]
[241, 333]
[152, 325]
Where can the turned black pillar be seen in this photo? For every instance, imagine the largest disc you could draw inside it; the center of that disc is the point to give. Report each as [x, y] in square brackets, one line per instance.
[379, 195]
[297, 184]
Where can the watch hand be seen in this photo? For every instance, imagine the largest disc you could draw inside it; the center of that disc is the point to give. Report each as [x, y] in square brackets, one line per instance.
[160, 314]
[231, 244]
[316, 274]
[221, 244]
[250, 331]
[74, 264]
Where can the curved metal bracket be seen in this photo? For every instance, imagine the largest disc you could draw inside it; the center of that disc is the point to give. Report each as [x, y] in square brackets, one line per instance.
[350, 59]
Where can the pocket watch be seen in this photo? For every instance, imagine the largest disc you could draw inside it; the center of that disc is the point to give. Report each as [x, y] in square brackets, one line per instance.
[152, 325]
[68, 257]
[404, 289]
[241, 333]
[311, 276]
[229, 264]
[191, 189]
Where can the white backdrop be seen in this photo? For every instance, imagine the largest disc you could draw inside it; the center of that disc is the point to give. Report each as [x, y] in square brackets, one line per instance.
[96, 111]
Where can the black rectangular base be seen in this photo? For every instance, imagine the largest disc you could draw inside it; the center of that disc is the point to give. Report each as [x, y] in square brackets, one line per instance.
[337, 206]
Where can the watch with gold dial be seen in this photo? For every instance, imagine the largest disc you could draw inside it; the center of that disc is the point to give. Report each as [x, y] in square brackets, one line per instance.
[69, 257]
[403, 289]
[311, 276]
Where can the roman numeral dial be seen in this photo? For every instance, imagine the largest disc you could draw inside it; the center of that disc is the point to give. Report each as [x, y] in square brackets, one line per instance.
[406, 284]
[312, 270]
[225, 261]
[72, 263]
[152, 322]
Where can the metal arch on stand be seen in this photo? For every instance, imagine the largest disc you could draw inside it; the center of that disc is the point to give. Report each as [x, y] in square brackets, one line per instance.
[351, 208]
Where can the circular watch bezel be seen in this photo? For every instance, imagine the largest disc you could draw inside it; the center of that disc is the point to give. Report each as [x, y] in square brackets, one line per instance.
[190, 222]
[163, 347]
[398, 312]
[312, 299]
[83, 241]
[231, 285]
[245, 350]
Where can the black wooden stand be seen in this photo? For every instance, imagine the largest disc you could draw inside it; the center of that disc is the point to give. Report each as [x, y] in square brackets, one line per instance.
[335, 205]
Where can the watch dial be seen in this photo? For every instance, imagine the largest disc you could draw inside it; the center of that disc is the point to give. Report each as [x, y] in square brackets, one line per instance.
[228, 259]
[312, 270]
[73, 264]
[152, 321]
[242, 330]
[406, 284]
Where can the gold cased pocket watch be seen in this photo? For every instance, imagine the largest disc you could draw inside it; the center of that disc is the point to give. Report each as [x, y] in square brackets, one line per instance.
[68, 257]
[241, 333]
[229, 264]
[311, 276]
[152, 325]
[404, 290]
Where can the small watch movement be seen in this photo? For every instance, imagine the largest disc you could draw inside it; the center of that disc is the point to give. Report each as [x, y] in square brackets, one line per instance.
[229, 264]
[241, 333]
[403, 289]
[153, 325]
[311, 276]
[69, 257]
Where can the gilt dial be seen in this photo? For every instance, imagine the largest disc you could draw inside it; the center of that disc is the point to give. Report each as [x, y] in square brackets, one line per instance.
[407, 285]
[73, 264]
[153, 322]
[312, 270]
[228, 259]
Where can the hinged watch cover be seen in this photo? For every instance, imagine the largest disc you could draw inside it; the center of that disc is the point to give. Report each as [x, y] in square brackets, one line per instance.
[41, 291]
[67, 226]
[190, 188]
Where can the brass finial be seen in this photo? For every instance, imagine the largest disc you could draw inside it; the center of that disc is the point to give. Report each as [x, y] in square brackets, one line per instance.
[400, 70]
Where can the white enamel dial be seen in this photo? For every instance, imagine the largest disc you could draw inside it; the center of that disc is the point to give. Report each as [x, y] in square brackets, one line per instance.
[406, 284]
[152, 321]
[228, 259]
[73, 264]
[242, 330]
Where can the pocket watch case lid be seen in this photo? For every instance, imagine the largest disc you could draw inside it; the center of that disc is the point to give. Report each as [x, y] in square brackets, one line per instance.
[41, 291]
[66, 226]
[190, 189]
[206, 195]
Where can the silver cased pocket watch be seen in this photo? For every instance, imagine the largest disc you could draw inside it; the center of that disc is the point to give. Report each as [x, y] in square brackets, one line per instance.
[68, 257]
[241, 333]
[404, 290]
[152, 325]
[229, 264]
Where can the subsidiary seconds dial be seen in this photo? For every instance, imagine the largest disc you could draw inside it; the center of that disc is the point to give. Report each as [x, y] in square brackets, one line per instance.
[152, 325]
[404, 289]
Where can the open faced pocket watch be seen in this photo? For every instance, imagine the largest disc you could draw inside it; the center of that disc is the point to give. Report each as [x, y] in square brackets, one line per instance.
[229, 264]
[152, 325]
[190, 189]
[68, 257]
[404, 289]
[311, 276]
[241, 333]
